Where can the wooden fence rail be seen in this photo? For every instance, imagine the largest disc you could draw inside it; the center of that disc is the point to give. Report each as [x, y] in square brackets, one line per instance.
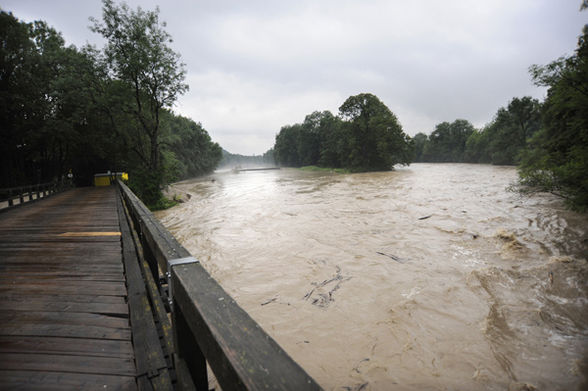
[208, 326]
[30, 193]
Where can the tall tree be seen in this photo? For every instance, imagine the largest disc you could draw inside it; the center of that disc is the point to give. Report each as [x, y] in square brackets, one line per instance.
[138, 54]
[377, 140]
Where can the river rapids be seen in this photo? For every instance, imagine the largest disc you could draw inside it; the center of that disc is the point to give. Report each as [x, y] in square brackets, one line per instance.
[429, 277]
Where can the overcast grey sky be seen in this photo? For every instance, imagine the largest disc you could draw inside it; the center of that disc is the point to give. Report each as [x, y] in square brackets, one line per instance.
[254, 66]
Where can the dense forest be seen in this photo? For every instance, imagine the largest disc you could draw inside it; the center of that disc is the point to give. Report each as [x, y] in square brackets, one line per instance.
[365, 136]
[86, 110]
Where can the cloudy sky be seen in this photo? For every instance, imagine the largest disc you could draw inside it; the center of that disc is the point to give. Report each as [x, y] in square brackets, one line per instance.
[254, 66]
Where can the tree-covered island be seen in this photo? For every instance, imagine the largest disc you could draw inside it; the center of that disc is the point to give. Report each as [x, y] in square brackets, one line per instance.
[365, 136]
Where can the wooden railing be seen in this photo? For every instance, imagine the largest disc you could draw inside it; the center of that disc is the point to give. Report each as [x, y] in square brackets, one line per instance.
[207, 326]
[30, 193]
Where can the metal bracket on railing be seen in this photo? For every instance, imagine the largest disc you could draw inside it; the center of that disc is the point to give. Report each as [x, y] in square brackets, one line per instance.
[171, 263]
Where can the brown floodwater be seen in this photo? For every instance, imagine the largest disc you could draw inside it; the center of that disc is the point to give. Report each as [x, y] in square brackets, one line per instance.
[430, 277]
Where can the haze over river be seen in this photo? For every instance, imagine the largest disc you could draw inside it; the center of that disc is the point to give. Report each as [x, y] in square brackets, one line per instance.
[430, 277]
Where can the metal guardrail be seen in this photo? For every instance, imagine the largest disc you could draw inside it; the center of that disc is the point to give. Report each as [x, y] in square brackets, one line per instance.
[208, 326]
[30, 193]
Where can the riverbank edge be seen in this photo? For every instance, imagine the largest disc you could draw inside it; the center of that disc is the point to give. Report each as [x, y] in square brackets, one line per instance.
[326, 169]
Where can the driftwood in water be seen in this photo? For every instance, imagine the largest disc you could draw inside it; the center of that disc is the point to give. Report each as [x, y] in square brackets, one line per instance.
[394, 257]
[324, 299]
[269, 301]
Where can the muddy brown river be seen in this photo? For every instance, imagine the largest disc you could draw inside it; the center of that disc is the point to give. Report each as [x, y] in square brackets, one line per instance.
[430, 277]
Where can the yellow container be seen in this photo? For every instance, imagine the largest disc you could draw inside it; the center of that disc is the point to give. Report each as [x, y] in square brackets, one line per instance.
[105, 179]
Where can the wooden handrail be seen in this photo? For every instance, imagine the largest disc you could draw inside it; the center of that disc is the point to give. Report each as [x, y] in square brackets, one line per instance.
[20, 193]
[208, 325]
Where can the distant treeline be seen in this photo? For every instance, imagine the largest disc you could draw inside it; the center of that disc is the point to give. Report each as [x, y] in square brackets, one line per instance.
[365, 136]
[500, 142]
[89, 111]
[232, 160]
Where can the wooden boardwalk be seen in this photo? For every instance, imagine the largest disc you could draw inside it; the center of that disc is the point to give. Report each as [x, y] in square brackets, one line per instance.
[64, 317]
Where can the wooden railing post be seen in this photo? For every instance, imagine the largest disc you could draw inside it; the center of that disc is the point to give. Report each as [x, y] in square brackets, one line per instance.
[189, 357]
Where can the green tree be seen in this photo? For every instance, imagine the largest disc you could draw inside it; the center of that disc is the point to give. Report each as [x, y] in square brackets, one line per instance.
[557, 159]
[18, 60]
[309, 142]
[447, 143]
[477, 149]
[511, 128]
[138, 55]
[286, 146]
[419, 141]
[366, 136]
[376, 140]
[47, 115]
[333, 140]
[188, 148]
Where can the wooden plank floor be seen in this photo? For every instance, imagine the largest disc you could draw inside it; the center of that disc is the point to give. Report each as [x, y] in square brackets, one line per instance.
[64, 318]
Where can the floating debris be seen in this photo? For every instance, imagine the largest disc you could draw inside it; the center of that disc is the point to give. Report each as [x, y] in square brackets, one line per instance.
[394, 257]
[269, 301]
[324, 298]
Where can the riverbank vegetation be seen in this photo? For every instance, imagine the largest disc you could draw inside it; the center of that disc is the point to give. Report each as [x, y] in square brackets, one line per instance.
[87, 110]
[325, 169]
[500, 142]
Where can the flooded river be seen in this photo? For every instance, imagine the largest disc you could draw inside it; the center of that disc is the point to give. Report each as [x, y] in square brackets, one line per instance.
[430, 277]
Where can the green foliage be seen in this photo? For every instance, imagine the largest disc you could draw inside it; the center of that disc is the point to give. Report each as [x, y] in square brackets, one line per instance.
[146, 184]
[377, 139]
[137, 53]
[477, 148]
[47, 109]
[163, 203]
[91, 111]
[287, 145]
[325, 169]
[365, 136]
[500, 142]
[188, 149]
[557, 159]
[511, 129]
[447, 142]
[419, 142]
